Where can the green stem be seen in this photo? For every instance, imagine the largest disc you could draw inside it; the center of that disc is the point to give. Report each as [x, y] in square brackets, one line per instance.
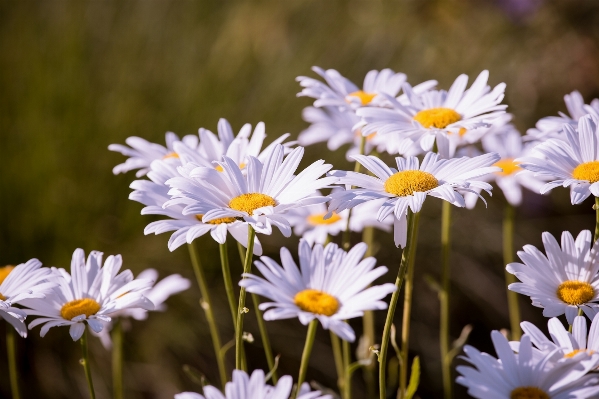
[596, 236]
[338, 356]
[346, 370]
[224, 262]
[508, 257]
[86, 365]
[368, 321]
[407, 313]
[444, 297]
[207, 306]
[241, 309]
[12, 362]
[580, 313]
[406, 254]
[265, 340]
[306, 354]
[117, 360]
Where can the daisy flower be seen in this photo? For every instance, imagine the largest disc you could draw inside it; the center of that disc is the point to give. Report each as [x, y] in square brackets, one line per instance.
[573, 163]
[154, 194]
[142, 153]
[410, 184]
[330, 285]
[523, 376]
[157, 294]
[437, 112]
[254, 387]
[89, 294]
[341, 92]
[562, 281]
[17, 283]
[261, 197]
[552, 126]
[567, 346]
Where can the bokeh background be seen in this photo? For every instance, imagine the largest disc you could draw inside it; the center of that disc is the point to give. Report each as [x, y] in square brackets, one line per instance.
[77, 76]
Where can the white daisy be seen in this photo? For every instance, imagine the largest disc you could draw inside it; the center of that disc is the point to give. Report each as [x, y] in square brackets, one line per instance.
[331, 285]
[142, 153]
[254, 387]
[409, 184]
[25, 281]
[261, 197]
[568, 347]
[524, 376]
[154, 194]
[157, 294]
[437, 112]
[90, 294]
[552, 126]
[572, 163]
[564, 280]
[341, 92]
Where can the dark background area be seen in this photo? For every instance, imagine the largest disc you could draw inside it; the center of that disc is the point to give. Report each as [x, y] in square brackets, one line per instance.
[78, 76]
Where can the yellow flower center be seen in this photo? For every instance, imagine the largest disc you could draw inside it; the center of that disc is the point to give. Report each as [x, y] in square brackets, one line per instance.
[365, 98]
[86, 306]
[216, 221]
[575, 292]
[317, 302]
[220, 168]
[438, 118]
[407, 182]
[318, 218]
[508, 165]
[587, 171]
[171, 155]
[528, 393]
[576, 352]
[4, 272]
[248, 203]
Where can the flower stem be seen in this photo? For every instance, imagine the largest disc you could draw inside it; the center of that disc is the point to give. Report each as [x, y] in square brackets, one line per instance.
[306, 355]
[86, 365]
[508, 257]
[338, 360]
[117, 360]
[241, 309]
[207, 306]
[224, 262]
[596, 236]
[444, 297]
[407, 312]
[12, 362]
[265, 340]
[406, 254]
[347, 370]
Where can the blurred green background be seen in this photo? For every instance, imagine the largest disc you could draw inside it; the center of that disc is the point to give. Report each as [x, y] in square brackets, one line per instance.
[77, 76]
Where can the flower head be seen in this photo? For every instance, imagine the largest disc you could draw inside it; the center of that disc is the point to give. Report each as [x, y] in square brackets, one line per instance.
[330, 285]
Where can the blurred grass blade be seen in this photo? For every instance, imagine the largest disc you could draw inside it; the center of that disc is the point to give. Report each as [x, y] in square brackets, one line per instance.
[414, 379]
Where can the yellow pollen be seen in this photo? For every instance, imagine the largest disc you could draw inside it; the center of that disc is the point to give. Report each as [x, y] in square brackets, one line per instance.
[587, 171]
[220, 168]
[317, 302]
[462, 131]
[508, 165]
[575, 292]
[365, 98]
[86, 306]
[216, 221]
[171, 155]
[248, 203]
[528, 393]
[438, 118]
[318, 218]
[407, 182]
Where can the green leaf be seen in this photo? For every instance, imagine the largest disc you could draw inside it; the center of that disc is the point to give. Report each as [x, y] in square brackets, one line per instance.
[414, 378]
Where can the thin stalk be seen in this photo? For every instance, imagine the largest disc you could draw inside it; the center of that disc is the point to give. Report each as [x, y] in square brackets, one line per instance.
[12, 362]
[265, 340]
[346, 370]
[338, 356]
[407, 313]
[241, 309]
[224, 262]
[406, 254]
[596, 236]
[368, 322]
[207, 306]
[306, 354]
[444, 297]
[117, 360]
[86, 365]
[508, 257]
